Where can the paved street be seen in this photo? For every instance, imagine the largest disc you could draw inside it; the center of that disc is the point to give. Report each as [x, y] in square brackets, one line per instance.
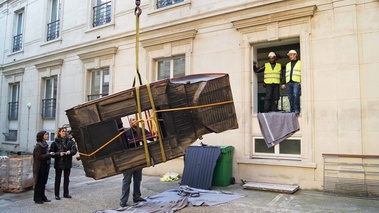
[90, 195]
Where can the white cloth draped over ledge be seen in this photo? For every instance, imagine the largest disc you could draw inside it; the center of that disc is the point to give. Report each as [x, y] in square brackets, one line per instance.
[277, 126]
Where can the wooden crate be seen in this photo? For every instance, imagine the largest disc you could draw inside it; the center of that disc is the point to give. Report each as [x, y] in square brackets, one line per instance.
[188, 107]
[16, 173]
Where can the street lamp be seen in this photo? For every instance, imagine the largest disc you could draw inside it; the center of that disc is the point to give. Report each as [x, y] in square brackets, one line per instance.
[29, 105]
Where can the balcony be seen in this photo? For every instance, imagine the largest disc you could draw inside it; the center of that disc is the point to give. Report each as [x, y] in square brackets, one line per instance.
[102, 14]
[17, 43]
[13, 110]
[53, 30]
[48, 108]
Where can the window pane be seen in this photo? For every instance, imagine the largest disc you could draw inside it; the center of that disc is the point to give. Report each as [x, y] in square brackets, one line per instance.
[290, 147]
[179, 67]
[105, 89]
[95, 82]
[261, 146]
[19, 23]
[163, 69]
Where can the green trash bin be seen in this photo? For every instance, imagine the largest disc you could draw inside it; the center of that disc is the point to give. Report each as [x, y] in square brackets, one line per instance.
[222, 175]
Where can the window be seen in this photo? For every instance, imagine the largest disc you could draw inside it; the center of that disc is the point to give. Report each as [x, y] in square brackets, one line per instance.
[165, 3]
[49, 102]
[172, 67]
[102, 12]
[11, 136]
[54, 25]
[99, 84]
[17, 39]
[14, 101]
[281, 50]
[51, 135]
[289, 147]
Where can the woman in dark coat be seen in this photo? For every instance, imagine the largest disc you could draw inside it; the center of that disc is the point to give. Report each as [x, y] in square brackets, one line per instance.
[64, 148]
[41, 167]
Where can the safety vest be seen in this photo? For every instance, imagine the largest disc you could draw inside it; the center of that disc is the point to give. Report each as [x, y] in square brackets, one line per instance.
[272, 76]
[296, 73]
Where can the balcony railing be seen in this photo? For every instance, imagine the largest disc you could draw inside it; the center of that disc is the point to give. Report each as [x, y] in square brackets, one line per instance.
[48, 108]
[102, 14]
[53, 30]
[17, 43]
[165, 3]
[96, 96]
[13, 110]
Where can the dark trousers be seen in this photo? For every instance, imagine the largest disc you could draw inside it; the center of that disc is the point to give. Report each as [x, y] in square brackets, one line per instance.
[66, 180]
[39, 188]
[272, 95]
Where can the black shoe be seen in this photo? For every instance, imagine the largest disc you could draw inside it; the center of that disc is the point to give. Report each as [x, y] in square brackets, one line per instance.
[57, 198]
[39, 202]
[67, 196]
[140, 199]
[123, 204]
[46, 200]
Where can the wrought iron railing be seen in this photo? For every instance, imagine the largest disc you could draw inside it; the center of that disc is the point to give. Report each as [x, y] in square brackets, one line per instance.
[49, 108]
[96, 96]
[165, 3]
[13, 110]
[102, 14]
[53, 30]
[17, 42]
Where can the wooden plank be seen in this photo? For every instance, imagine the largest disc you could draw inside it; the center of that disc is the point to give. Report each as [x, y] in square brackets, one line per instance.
[288, 189]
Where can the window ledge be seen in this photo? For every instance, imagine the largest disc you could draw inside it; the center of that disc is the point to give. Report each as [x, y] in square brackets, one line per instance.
[277, 162]
[110, 24]
[10, 143]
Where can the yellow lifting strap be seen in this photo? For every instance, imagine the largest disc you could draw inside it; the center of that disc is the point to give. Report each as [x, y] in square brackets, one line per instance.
[138, 12]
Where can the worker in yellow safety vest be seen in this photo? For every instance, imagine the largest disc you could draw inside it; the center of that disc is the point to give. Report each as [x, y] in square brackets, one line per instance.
[293, 81]
[272, 78]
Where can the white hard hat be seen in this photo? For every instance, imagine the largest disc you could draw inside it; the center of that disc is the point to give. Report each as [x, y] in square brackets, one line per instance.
[271, 54]
[292, 52]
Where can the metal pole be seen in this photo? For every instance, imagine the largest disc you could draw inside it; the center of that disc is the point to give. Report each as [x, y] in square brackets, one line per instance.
[27, 134]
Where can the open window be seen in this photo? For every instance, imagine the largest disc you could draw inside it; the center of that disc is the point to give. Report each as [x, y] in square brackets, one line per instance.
[262, 50]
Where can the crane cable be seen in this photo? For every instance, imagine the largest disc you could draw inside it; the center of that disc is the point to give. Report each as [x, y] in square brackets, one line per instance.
[138, 12]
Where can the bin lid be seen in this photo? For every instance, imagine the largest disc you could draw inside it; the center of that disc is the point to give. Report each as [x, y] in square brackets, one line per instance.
[225, 149]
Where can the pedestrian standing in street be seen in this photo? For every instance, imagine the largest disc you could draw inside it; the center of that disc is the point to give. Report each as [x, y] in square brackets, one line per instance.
[41, 167]
[272, 77]
[133, 132]
[293, 81]
[64, 148]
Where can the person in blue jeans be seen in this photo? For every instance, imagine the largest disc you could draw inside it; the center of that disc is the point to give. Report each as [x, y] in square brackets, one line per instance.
[133, 132]
[293, 81]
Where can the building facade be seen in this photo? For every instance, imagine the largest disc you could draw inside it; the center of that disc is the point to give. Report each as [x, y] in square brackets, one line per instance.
[56, 54]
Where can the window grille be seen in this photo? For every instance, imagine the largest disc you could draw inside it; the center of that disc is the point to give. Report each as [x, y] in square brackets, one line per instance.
[165, 3]
[53, 30]
[102, 14]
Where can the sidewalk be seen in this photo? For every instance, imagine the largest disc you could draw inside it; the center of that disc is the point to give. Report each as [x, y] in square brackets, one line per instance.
[90, 195]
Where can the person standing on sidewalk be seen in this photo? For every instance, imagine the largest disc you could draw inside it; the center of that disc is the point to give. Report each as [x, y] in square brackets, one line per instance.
[64, 148]
[133, 132]
[41, 167]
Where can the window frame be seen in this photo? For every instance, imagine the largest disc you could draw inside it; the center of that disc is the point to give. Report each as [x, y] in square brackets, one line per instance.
[14, 98]
[53, 25]
[17, 41]
[93, 96]
[171, 60]
[276, 148]
[50, 100]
